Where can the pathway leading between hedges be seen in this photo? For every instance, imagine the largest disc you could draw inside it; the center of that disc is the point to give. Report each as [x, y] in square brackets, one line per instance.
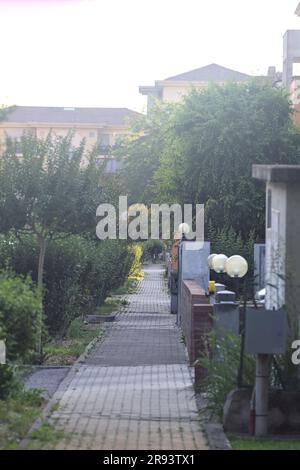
[135, 389]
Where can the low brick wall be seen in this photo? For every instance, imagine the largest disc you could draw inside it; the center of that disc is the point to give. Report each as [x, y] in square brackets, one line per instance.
[196, 323]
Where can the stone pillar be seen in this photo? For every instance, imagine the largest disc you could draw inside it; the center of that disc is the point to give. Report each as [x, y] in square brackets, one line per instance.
[291, 55]
[282, 236]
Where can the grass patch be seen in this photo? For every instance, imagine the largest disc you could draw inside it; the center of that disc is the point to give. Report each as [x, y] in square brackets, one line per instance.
[65, 351]
[45, 436]
[251, 443]
[110, 305]
[17, 413]
[129, 287]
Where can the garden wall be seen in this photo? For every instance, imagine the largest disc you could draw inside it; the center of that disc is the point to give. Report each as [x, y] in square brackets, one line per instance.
[196, 323]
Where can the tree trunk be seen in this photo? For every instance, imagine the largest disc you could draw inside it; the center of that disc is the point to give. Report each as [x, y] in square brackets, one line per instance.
[42, 252]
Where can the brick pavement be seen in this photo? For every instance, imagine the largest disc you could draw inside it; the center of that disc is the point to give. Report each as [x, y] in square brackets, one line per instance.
[135, 389]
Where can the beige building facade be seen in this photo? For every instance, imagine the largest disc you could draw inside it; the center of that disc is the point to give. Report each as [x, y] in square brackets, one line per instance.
[174, 89]
[98, 126]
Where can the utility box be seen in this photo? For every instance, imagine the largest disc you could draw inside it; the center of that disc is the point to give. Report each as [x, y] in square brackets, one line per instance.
[265, 331]
[225, 296]
[226, 313]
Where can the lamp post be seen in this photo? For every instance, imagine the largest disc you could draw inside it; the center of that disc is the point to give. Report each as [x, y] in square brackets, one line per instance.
[211, 284]
[183, 229]
[219, 264]
[237, 268]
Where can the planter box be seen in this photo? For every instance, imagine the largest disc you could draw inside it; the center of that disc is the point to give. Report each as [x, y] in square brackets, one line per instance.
[100, 318]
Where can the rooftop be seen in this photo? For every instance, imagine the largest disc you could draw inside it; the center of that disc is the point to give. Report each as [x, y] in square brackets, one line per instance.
[98, 116]
[212, 72]
[277, 173]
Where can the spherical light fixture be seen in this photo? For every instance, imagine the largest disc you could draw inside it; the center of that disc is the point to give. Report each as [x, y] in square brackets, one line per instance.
[184, 228]
[236, 266]
[209, 260]
[218, 263]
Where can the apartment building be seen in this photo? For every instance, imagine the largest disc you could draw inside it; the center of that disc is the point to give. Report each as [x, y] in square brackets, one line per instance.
[98, 126]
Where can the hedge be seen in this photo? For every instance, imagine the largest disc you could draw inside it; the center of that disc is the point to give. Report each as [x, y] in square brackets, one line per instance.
[79, 273]
[20, 313]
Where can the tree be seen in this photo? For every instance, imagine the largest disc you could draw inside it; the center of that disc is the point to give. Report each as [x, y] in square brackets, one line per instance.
[140, 153]
[4, 110]
[202, 151]
[45, 190]
[219, 134]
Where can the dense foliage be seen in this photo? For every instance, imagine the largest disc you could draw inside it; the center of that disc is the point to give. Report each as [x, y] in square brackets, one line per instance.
[222, 370]
[151, 249]
[202, 151]
[20, 312]
[79, 273]
[45, 189]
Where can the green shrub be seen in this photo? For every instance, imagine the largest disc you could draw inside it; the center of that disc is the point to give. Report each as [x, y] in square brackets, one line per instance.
[222, 370]
[20, 314]
[6, 381]
[79, 273]
[151, 249]
[137, 252]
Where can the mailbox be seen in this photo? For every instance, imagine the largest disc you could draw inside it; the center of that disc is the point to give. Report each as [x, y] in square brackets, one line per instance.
[265, 331]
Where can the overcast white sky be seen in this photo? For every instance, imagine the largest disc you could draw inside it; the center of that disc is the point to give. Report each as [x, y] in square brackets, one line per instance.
[97, 52]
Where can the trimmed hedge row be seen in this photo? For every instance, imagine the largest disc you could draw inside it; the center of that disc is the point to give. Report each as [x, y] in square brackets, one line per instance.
[79, 273]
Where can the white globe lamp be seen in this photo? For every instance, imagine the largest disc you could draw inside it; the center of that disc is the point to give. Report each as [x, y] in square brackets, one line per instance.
[209, 260]
[236, 266]
[218, 263]
[184, 228]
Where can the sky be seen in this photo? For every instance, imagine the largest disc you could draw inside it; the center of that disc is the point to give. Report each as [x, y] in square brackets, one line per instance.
[97, 52]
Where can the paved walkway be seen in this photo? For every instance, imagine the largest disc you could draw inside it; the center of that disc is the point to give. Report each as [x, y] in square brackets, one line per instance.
[135, 389]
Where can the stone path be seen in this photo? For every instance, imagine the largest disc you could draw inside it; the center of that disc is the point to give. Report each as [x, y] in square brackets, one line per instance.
[135, 389]
[46, 379]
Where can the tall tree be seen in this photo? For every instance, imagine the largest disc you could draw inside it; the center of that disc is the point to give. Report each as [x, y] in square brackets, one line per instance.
[46, 190]
[203, 150]
[140, 152]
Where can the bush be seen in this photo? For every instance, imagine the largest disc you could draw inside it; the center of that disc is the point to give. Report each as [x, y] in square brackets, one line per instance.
[151, 249]
[79, 273]
[222, 367]
[6, 381]
[20, 315]
[137, 252]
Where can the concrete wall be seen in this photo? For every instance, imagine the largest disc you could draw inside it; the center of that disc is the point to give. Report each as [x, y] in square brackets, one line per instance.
[291, 54]
[293, 243]
[275, 245]
[173, 93]
[259, 266]
[295, 98]
[193, 265]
